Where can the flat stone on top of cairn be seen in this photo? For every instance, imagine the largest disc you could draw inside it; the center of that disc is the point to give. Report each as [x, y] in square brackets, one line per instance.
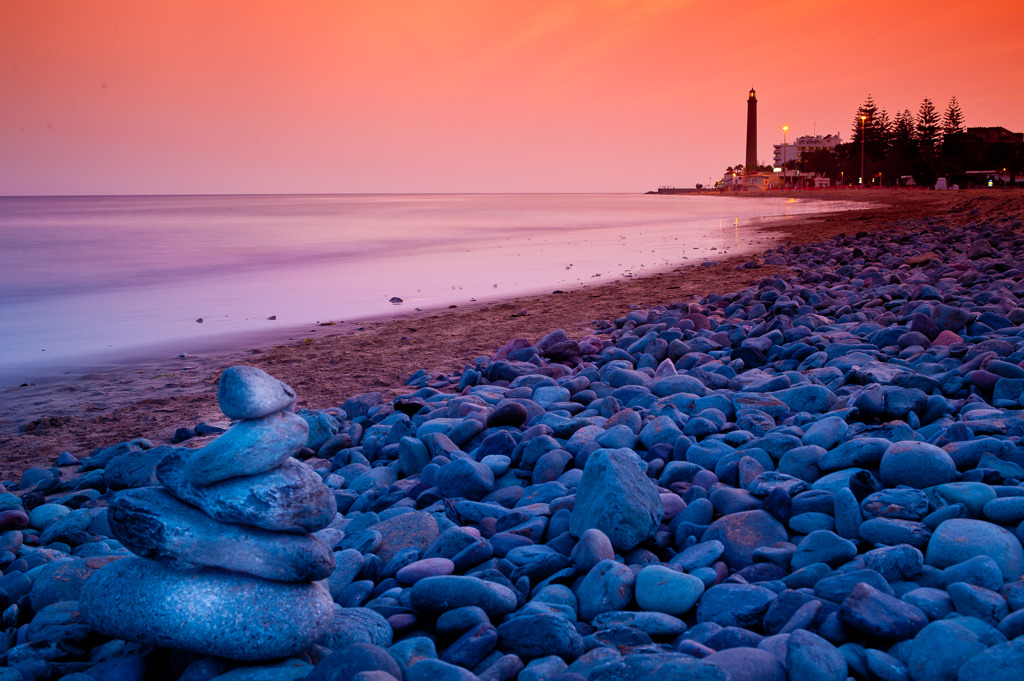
[228, 565]
[246, 392]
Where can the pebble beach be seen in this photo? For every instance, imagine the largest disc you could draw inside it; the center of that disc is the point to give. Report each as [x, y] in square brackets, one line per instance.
[802, 464]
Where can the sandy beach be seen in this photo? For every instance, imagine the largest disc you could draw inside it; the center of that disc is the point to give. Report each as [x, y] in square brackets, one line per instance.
[326, 364]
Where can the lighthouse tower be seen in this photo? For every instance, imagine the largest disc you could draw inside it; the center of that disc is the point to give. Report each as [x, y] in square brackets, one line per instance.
[751, 161]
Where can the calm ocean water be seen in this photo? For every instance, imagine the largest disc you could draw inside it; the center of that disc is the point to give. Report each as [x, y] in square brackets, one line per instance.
[86, 281]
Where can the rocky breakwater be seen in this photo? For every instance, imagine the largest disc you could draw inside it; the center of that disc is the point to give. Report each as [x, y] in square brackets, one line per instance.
[225, 560]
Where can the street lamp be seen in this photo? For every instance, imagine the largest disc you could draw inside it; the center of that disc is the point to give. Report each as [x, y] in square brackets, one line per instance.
[863, 120]
[784, 152]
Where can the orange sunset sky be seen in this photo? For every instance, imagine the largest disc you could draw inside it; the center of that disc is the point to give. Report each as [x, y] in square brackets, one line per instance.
[251, 96]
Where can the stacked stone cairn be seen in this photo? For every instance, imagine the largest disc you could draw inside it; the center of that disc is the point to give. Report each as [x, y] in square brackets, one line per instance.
[225, 560]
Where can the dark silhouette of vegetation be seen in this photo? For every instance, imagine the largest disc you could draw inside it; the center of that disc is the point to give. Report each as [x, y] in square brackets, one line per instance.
[924, 146]
[909, 149]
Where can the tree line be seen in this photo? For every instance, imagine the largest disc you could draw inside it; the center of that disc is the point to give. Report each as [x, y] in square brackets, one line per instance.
[924, 146]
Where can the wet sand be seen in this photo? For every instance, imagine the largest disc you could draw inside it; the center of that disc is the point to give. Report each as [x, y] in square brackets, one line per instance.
[326, 364]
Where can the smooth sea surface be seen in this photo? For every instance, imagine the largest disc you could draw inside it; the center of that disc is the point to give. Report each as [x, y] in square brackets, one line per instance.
[90, 281]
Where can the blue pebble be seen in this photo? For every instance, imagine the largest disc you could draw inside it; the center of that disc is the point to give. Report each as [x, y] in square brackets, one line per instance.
[935, 603]
[808, 656]
[878, 614]
[940, 649]
[980, 571]
[954, 541]
[916, 464]
[747, 664]
[822, 546]
[540, 635]
[739, 605]
[975, 601]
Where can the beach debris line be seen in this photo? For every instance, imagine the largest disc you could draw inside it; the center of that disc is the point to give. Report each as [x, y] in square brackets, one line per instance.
[225, 560]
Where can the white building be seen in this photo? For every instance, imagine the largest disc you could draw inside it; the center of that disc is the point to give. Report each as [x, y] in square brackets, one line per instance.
[804, 144]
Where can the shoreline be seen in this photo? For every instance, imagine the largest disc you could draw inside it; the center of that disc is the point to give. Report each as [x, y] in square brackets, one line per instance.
[153, 399]
[554, 244]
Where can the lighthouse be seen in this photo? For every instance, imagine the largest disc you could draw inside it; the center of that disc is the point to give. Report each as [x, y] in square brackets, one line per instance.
[751, 163]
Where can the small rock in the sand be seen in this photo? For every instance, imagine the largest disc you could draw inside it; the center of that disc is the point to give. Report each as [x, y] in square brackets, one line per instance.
[206, 429]
[432, 670]
[656, 665]
[421, 569]
[245, 392]
[66, 459]
[199, 320]
[182, 434]
[416, 529]
[395, 300]
[227, 614]
[975, 601]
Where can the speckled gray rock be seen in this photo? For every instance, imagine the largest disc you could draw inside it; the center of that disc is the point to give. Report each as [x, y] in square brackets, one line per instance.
[227, 614]
[415, 529]
[245, 392]
[62, 579]
[734, 605]
[617, 498]
[435, 595]
[954, 541]
[248, 448]
[1002, 661]
[607, 587]
[655, 665]
[662, 589]
[153, 524]
[744, 532]
[878, 614]
[916, 464]
[288, 498]
[808, 656]
[356, 625]
[532, 636]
